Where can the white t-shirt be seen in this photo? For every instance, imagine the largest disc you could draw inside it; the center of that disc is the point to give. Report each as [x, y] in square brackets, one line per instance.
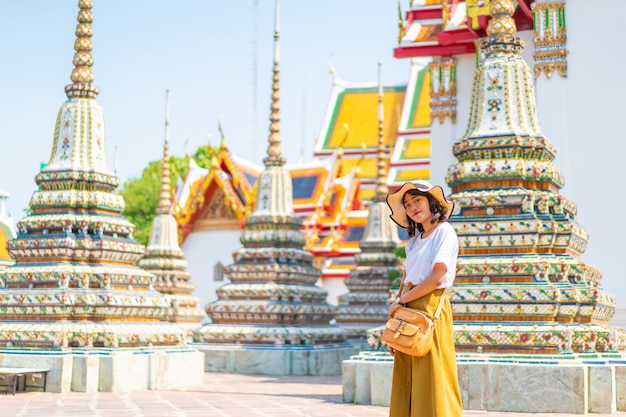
[442, 246]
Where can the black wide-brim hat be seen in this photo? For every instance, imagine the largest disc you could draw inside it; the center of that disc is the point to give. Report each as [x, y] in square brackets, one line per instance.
[395, 201]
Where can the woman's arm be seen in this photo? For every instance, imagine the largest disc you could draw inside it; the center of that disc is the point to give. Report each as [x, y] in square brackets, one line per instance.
[430, 284]
[395, 304]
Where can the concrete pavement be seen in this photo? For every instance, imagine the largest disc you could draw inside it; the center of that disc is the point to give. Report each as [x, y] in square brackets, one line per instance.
[221, 395]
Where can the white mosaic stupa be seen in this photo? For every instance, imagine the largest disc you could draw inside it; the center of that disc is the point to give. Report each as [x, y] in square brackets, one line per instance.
[272, 298]
[164, 257]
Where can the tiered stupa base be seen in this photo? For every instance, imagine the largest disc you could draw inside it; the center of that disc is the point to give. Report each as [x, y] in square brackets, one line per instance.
[273, 350]
[356, 320]
[111, 370]
[99, 356]
[63, 335]
[548, 338]
[564, 383]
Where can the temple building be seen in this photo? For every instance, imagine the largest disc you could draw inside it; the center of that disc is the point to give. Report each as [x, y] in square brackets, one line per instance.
[7, 230]
[74, 297]
[166, 260]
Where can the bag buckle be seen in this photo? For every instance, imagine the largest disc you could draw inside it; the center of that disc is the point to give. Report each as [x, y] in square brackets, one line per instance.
[399, 329]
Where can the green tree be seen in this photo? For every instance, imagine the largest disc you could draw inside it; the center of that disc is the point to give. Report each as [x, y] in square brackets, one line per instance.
[141, 195]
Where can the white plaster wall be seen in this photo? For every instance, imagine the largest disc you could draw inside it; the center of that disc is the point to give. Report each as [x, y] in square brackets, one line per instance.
[335, 287]
[203, 251]
[586, 117]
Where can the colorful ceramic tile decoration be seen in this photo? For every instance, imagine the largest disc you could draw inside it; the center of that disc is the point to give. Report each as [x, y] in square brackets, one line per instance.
[367, 303]
[166, 260]
[74, 283]
[550, 37]
[272, 298]
[520, 286]
[443, 89]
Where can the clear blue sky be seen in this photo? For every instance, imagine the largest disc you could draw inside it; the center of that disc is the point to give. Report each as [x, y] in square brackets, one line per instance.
[216, 59]
[214, 56]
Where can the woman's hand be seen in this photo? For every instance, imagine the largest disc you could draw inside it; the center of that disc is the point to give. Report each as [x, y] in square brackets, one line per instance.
[393, 307]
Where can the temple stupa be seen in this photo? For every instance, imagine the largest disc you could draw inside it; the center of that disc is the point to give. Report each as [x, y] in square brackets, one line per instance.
[165, 259]
[521, 286]
[271, 318]
[74, 302]
[367, 303]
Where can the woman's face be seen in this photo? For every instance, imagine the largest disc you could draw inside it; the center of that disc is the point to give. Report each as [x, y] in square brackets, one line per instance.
[418, 208]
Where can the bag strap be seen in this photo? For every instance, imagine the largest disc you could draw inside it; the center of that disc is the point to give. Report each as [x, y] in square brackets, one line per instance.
[401, 284]
[440, 305]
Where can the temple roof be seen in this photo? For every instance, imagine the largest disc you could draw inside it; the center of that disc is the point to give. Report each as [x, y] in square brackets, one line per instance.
[350, 124]
[438, 28]
[7, 230]
[410, 158]
[235, 179]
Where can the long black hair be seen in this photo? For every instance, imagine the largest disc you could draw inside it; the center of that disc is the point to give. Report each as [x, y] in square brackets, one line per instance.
[439, 214]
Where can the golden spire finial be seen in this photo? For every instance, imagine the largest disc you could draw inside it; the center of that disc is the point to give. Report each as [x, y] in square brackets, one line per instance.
[381, 176]
[274, 152]
[82, 75]
[400, 24]
[501, 22]
[219, 129]
[165, 196]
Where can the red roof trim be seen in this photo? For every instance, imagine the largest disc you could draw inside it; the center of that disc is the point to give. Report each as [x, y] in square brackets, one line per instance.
[424, 14]
[434, 50]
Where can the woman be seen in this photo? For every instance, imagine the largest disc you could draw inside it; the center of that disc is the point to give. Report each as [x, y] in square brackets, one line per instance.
[426, 386]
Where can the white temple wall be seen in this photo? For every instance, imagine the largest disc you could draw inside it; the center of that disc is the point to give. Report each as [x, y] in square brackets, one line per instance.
[584, 115]
[443, 136]
[335, 287]
[203, 252]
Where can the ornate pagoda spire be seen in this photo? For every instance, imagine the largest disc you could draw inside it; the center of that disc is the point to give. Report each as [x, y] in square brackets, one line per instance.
[272, 298]
[381, 174]
[274, 151]
[165, 196]
[74, 283]
[82, 75]
[366, 305]
[520, 285]
[164, 257]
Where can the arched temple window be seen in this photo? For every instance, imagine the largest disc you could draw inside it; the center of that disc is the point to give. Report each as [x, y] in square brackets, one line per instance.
[218, 271]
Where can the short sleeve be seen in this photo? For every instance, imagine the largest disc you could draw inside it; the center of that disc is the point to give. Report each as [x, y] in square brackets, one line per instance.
[446, 247]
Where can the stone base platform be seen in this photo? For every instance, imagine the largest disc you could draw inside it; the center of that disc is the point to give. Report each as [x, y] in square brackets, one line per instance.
[574, 384]
[111, 370]
[312, 360]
